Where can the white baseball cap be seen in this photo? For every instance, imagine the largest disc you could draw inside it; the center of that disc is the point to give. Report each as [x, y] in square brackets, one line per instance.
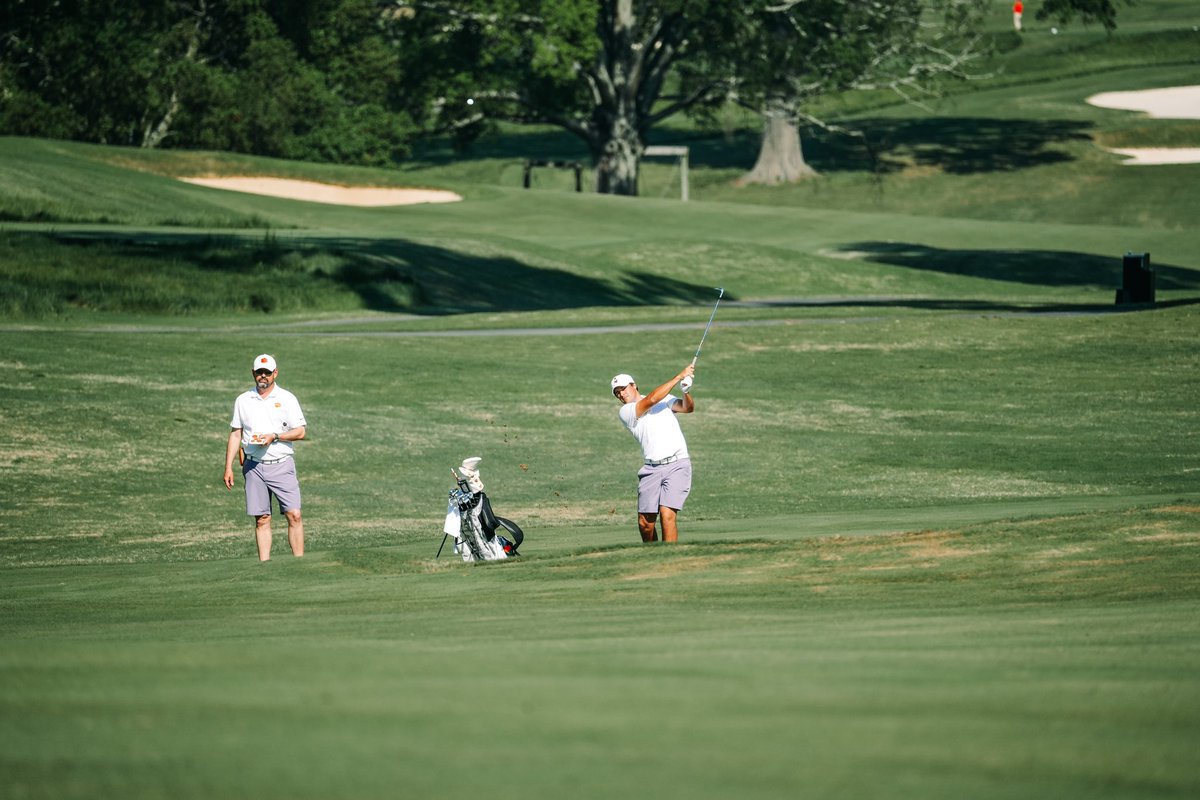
[621, 381]
[264, 362]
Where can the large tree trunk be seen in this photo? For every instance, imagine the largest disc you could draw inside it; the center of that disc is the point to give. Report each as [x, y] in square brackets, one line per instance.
[153, 135]
[617, 84]
[639, 42]
[780, 159]
[617, 156]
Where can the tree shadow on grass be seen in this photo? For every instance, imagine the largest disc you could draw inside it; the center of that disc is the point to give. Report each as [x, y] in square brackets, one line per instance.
[1031, 267]
[955, 145]
[507, 144]
[1034, 267]
[396, 274]
[957, 304]
[453, 281]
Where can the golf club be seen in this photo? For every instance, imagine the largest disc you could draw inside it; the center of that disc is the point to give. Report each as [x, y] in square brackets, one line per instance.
[461, 487]
[686, 383]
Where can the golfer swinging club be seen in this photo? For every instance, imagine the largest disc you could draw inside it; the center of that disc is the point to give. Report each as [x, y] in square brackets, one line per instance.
[666, 474]
[266, 420]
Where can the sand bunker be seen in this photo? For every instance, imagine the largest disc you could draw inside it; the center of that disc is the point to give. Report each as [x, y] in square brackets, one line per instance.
[313, 192]
[1141, 156]
[1178, 102]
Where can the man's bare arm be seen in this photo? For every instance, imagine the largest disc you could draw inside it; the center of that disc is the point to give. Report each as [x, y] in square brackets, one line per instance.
[656, 396]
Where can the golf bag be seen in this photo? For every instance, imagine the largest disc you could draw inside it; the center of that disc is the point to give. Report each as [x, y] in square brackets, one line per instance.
[479, 535]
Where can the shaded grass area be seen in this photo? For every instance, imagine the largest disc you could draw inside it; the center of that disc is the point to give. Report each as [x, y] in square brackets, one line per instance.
[955, 145]
[1031, 657]
[160, 274]
[1020, 266]
[45, 276]
[565, 263]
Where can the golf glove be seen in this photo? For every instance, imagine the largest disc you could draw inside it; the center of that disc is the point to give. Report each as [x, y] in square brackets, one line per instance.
[686, 385]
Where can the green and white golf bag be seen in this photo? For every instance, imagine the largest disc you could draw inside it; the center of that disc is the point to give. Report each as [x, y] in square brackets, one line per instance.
[479, 535]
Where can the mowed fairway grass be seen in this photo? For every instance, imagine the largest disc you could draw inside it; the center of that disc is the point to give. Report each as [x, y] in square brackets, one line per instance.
[936, 556]
[944, 538]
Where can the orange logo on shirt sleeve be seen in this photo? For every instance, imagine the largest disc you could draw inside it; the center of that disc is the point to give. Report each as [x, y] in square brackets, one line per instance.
[279, 405]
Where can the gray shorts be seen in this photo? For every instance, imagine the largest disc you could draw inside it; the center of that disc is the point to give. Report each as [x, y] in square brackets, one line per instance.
[264, 481]
[666, 485]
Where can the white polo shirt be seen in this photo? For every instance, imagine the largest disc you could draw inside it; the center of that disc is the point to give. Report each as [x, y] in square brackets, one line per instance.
[657, 431]
[278, 412]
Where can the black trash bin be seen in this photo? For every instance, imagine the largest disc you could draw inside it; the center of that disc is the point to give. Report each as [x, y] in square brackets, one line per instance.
[1137, 280]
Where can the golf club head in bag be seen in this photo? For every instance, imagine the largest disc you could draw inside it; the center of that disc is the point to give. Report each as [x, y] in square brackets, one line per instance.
[472, 523]
[469, 470]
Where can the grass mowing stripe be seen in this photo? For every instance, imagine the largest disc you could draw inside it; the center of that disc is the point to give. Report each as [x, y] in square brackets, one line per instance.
[915, 670]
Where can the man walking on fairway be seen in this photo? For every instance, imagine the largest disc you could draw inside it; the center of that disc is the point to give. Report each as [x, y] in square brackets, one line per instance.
[266, 420]
[666, 474]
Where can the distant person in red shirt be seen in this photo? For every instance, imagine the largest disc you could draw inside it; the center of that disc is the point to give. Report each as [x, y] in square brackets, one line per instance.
[1018, 7]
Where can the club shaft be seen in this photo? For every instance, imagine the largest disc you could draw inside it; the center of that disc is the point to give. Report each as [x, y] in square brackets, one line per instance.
[709, 325]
